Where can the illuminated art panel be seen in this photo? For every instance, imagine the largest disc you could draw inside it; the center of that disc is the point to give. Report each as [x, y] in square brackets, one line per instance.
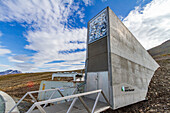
[98, 27]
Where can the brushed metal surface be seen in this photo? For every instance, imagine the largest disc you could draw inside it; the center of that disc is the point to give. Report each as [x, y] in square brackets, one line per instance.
[98, 56]
[98, 80]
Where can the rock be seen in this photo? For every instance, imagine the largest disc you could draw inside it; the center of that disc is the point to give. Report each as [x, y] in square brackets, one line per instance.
[152, 110]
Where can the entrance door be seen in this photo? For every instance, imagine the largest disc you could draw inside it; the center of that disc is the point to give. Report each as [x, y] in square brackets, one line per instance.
[95, 81]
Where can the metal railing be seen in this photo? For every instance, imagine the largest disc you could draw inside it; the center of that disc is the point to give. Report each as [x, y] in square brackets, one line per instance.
[34, 100]
[74, 97]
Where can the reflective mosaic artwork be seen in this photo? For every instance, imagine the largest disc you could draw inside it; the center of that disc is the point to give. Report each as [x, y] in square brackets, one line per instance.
[98, 27]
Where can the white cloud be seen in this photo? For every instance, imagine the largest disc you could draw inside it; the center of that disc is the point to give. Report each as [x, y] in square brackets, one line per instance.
[52, 32]
[88, 2]
[120, 17]
[138, 1]
[4, 66]
[150, 24]
[49, 43]
[4, 51]
[18, 58]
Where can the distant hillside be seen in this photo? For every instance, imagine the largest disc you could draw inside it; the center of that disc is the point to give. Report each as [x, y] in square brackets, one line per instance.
[17, 84]
[10, 72]
[161, 50]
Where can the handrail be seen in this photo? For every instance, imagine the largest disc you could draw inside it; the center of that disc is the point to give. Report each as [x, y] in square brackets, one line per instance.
[67, 97]
[75, 96]
[34, 100]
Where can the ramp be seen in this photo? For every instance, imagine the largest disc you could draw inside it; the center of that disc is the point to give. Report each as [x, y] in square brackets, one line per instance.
[76, 103]
[77, 108]
[89, 105]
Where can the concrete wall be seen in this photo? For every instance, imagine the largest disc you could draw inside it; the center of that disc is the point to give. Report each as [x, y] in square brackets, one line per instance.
[131, 65]
[9, 103]
[125, 63]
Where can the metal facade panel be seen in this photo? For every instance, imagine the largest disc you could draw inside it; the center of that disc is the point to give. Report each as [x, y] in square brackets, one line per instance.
[98, 47]
[91, 83]
[103, 84]
[55, 84]
[98, 56]
[98, 63]
[98, 80]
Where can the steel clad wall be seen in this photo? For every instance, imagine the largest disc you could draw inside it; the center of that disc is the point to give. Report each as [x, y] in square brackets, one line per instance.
[97, 56]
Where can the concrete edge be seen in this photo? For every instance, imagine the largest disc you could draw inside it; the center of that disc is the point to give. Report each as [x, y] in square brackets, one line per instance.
[9, 102]
[2, 110]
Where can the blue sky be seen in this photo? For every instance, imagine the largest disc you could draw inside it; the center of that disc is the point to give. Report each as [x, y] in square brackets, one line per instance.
[50, 35]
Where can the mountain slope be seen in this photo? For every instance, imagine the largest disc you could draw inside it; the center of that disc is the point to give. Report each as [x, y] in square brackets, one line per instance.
[163, 49]
[10, 72]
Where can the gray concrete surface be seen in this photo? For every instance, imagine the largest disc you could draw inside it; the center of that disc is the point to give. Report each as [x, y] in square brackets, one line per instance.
[132, 66]
[9, 102]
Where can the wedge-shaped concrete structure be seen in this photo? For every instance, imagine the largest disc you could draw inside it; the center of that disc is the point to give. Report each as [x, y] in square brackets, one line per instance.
[116, 62]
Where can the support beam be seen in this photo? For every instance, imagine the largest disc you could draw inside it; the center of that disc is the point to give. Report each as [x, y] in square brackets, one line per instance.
[32, 97]
[41, 109]
[18, 103]
[50, 98]
[97, 98]
[105, 98]
[84, 104]
[31, 109]
[71, 106]
[61, 94]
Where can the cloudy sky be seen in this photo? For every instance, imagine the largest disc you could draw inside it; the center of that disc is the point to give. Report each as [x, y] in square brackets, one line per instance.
[50, 35]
